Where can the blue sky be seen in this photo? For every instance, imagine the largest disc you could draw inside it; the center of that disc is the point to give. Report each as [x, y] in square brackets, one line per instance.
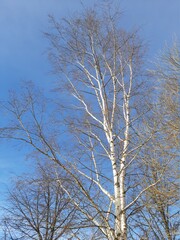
[22, 48]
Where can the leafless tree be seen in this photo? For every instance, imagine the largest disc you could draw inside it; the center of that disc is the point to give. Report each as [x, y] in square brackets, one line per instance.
[102, 120]
[38, 208]
[161, 217]
[101, 64]
[168, 73]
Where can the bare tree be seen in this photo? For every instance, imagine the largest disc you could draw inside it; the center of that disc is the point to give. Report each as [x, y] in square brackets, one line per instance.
[102, 79]
[166, 194]
[168, 74]
[101, 64]
[38, 208]
[162, 200]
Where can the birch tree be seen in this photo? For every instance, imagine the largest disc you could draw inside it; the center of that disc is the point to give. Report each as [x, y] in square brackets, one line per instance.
[101, 66]
[104, 101]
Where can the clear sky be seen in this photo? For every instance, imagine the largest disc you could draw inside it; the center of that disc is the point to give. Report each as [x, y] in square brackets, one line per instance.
[22, 47]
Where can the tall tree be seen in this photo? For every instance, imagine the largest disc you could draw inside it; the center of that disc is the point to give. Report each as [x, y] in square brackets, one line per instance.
[101, 71]
[101, 65]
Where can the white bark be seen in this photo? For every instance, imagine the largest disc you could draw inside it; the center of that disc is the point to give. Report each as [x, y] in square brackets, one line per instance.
[100, 67]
